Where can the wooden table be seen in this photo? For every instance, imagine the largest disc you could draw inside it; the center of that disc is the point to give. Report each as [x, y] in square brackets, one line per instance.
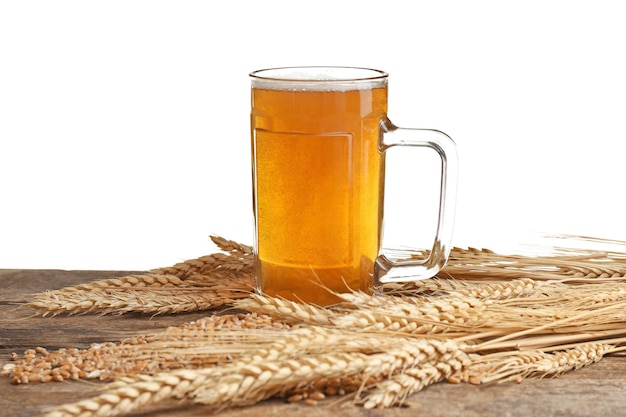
[597, 390]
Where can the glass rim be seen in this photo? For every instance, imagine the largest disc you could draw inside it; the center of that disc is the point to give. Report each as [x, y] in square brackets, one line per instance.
[318, 78]
[326, 74]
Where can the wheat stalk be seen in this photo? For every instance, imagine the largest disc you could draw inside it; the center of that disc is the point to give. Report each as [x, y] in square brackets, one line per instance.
[300, 357]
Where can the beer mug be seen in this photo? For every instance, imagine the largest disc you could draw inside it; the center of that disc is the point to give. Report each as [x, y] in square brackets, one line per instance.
[319, 136]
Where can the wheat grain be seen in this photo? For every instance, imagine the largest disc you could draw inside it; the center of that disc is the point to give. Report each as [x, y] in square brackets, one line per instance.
[210, 341]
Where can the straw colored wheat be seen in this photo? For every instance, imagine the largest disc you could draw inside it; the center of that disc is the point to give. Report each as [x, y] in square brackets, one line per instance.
[486, 318]
[220, 278]
[515, 366]
[300, 357]
[194, 285]
[211, 341]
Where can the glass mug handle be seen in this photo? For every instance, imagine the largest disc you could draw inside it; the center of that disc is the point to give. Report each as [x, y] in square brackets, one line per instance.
[387, 270]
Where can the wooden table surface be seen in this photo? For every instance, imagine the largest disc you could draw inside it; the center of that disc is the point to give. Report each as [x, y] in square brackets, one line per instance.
[593, 391]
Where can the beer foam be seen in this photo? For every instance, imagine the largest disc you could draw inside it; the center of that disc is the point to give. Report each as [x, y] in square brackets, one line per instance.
[318, 79]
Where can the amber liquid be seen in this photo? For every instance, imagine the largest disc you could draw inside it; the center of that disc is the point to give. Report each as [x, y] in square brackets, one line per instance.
[317, 190]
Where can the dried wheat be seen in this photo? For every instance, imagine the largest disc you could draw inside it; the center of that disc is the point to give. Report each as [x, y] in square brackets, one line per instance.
[200, 284]
[573, 264]
[286, 310]
[515, 366]
[303, 356]
[566, 307]
[211, 341]
[396, 390]
[418, 315]
[490, 290]
[514, 289]
[73, 301]
[239, 259]
[231, 246]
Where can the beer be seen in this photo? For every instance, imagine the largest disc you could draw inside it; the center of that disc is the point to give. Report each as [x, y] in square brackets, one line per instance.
[318, 184]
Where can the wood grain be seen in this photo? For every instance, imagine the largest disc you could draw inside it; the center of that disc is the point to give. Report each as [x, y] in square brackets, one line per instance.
[596, 390]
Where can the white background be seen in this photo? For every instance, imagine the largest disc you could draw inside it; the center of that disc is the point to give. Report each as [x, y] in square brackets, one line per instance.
[124, 125]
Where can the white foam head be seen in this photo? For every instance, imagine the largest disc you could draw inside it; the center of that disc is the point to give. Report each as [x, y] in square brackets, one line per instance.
[318, 79]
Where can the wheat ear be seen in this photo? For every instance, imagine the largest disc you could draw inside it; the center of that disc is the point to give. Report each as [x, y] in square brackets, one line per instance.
[198, 284]
[249, 384]
[396, 390]
[286, 310]
[239, 259]
[489, 290]
[231, 246]
[104, 300]
[416, 315]
[128, 398]
[515, 366]
[303, 356]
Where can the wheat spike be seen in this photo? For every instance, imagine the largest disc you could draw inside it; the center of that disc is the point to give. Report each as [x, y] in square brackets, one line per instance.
[516, 288]
[575, 265]
[515, 366]
[199, 284]
[302, 356]
[127, 398]
[231, 246]
[395, 391]
[105, 300]
[418, 315]
[208, 265]
[286, 310]
[250, 383]
[239, 258]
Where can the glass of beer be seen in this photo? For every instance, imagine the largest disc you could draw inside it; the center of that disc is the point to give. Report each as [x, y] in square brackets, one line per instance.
[319, 136]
